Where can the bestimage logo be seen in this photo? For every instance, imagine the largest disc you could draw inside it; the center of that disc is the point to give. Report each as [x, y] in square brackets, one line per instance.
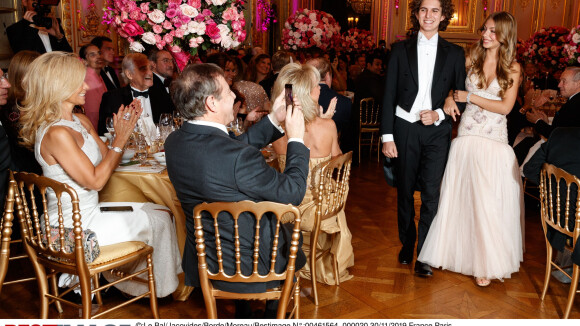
[65, 325]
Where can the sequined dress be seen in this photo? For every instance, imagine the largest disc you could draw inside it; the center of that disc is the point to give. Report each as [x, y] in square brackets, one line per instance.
[478, 227]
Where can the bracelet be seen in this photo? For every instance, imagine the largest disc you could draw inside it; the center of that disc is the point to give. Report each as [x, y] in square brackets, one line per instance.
[116, 149]
[468, 97]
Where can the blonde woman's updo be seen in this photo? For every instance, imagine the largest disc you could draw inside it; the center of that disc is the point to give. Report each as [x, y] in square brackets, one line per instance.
[303, 79]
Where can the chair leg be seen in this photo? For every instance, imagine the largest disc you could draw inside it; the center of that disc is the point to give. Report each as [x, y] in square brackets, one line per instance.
[54, 286]
[379, 148]
[153, 295]
[549, 253]
[572, 293]
[371, 144]
[297, 298]
[42, 290]
[98, 293]
[335, 262]
[313, 248]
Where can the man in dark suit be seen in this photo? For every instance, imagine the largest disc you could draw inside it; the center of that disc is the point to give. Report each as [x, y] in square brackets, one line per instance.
[4, 143]
[163, 68]
[25, 35]
[137, 69]
[341, 113]
[569, 113]
[561, 150]
[206, 165]
[108, 74]
[279, 60]
[420, 73]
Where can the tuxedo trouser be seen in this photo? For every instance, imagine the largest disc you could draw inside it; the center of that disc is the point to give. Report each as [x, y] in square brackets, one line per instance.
[422, 156]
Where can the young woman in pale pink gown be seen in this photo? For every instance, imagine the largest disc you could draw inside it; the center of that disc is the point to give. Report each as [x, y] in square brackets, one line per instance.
[478, 227]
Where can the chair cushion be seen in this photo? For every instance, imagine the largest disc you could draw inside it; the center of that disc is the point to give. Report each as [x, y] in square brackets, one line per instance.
[117, 250]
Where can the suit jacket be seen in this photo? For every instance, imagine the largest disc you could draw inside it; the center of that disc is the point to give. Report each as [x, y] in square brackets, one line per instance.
[402, 82]
[4, 165]
[561, 150]
[268, 83]
[343, 106]
[206, 165]
[567, 116]
[112, 100]
[24, 37]
[110, 85]
[158, 84]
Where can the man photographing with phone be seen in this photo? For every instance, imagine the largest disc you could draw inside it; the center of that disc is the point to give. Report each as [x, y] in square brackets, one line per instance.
[38, 30]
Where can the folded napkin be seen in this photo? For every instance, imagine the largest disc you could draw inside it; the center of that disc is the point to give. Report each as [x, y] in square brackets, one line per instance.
[139, 168]
[148, 129]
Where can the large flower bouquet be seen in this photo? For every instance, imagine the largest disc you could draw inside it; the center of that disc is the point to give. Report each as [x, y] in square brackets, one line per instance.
[545, 47]
[572, 47]
[178, 25]
[310, 28]
[357, 40]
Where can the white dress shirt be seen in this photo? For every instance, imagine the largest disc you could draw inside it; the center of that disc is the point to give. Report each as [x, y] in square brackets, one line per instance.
[426, 54]
[45, 40]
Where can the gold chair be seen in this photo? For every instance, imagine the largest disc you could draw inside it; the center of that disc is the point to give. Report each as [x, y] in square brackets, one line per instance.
[330, 189]
[369, 124]
[291, 285]
[558, 216]
[56, 257]
[6, 226]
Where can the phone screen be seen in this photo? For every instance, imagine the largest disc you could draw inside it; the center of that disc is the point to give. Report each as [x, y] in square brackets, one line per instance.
[289, 96]
[116, 209]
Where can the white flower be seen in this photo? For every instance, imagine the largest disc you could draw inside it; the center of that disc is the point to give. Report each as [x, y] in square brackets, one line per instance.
[218, 2]
[576, 38]
[224, 30]
[312, 16]
[287, 25]
[157, 16]
[194, 27]
[148, 38]
[226, 42]
[136, 46]
[314, 23]
[303, 27]
[188, 10]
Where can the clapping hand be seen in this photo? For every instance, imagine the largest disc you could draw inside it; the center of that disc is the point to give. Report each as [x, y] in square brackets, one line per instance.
[125, 120]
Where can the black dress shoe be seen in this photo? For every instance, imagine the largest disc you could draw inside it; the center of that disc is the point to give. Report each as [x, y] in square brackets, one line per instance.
[423, 269]
[404, 257]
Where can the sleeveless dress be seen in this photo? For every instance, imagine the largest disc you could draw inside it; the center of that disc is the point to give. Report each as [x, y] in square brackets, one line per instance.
[341, 247]
[148, 222]
[478, 227]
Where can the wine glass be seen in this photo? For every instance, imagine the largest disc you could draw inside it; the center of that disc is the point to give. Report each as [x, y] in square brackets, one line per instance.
[177, 119]
[109, 123]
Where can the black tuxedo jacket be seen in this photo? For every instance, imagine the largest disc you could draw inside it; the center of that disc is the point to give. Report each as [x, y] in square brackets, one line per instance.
[112, 100]
[24, 37]
[268, 83]
[343, 106]
[567, 116]
[402, 82]
[4, 165]
[561, 150]
[206, 165]
[108, 83]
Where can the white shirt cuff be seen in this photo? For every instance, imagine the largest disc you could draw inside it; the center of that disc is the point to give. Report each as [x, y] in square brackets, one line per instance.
[441, 116]
[275, 125]
[387, 137]
[299, 140]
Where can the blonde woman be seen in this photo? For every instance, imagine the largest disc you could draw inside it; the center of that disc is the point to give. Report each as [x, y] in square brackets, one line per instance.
[69, 150]
[322, 138]
[478, 230]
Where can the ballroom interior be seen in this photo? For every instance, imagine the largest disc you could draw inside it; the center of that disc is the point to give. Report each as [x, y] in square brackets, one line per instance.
[380, 287]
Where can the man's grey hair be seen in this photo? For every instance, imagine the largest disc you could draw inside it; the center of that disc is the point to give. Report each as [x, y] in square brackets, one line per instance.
[193, 86]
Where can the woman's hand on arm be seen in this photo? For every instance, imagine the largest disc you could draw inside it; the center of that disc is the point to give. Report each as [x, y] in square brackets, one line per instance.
[450, 107]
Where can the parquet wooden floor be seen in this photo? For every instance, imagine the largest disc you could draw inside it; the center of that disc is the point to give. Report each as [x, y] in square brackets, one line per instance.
[380, 287]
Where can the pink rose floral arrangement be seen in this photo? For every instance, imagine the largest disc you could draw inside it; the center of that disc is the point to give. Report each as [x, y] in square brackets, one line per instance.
[310, 28]
[572, 47]
[181, 26]
[357, 40]
[545, 47]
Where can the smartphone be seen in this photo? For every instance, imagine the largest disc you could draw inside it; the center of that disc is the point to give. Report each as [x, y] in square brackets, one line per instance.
[289, 96]
[116, 209]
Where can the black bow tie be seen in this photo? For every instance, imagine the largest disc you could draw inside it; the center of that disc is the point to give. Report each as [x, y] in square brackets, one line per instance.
[145, 94]
[167, 82]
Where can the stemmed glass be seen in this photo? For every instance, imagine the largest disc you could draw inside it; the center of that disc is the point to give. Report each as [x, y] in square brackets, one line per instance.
[177, 119]
[110, 126]
[165, 127]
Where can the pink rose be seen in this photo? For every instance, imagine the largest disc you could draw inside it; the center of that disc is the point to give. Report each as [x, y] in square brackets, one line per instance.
[176, 22]
[145, 7]
[135, 15]
[175, 48]
[168, 38]
[131, 28]
[158, 38]
[212, 31]
[207, 13]
[237, 25]
[157, 29]
[194, 3]
[161, 45]
[167, 25]
[174, 2]
[170, 13]
[179, 33]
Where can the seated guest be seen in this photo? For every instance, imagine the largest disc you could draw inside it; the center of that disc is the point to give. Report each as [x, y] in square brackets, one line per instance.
[279, 60]
[206, 165]
[321, 137]
[4, 143]
[342, 104]
[108, 74]
[92, 59]
[259, 68]
[569, 113]
[137, 69]
[22, 158]
[163, 68]
[27, 35]
[561, 150]
[69, 150]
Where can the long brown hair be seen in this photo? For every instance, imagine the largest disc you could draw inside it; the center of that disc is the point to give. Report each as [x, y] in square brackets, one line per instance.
[505, 33]
[16, 70]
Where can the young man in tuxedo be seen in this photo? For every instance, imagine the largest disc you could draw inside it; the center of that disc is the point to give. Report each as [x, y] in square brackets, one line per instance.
[108, 74]
[163, 68]
[206, 165]
[420, 73]
[137, 69]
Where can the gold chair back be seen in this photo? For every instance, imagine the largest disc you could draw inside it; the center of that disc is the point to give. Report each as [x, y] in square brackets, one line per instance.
[369, 124]
[558, 212]
[330, 190]
[290, 287]
[58, 258]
